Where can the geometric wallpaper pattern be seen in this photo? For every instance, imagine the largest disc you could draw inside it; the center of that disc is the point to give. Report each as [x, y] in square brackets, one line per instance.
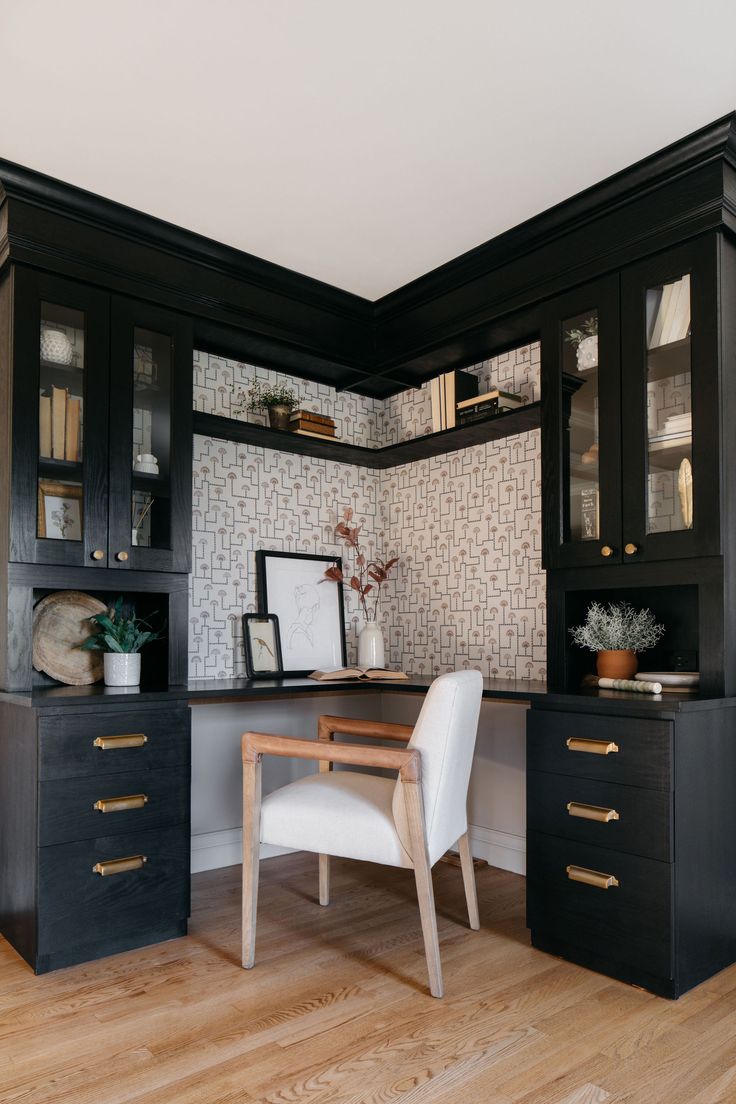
[469, 590]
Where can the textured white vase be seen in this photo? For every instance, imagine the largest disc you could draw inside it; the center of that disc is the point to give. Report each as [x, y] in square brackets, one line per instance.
[56, 346]
[371, 651]
[122, 668]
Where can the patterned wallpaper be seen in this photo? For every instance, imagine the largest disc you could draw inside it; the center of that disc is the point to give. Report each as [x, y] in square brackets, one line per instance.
[469, 591]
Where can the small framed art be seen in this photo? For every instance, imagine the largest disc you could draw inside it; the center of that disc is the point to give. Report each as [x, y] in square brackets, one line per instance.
[309, 609]
[59, 510]
[262, 645]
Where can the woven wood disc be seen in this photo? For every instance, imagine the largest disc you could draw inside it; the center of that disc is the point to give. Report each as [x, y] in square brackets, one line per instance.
[60, 625]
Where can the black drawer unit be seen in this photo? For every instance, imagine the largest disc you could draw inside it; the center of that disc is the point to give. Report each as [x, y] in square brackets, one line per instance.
[94, 816]
[631, 841]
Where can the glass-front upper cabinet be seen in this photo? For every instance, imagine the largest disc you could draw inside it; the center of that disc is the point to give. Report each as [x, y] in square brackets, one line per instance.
[580, 372]
[670, 405]
[101, 471]
[150, 438]
[60, 386]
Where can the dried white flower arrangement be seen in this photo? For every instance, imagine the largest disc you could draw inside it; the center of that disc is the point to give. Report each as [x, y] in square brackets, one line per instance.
[617, 627]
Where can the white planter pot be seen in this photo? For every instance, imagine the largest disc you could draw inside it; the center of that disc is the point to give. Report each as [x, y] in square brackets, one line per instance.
[122, 668]
[371, 651]
[587, 355]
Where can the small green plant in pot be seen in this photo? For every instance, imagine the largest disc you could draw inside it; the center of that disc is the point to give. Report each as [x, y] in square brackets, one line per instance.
[277, 399]
[120, 635]
[616, 633]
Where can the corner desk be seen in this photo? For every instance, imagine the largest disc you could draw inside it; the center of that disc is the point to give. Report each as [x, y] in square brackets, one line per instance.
[631, 822]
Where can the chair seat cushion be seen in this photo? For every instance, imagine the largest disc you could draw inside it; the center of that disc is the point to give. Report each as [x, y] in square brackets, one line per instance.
[335, 813]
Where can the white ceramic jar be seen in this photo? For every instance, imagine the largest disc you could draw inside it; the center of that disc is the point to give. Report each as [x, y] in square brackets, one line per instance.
[371, 650]
[122, 668]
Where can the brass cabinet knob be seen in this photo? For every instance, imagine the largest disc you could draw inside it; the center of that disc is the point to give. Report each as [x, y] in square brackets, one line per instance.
[606, 550]
[122, 556]
[98, 554]
[630, 549]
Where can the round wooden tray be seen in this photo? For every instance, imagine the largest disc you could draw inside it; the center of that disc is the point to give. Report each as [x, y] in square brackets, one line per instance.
[60, 625]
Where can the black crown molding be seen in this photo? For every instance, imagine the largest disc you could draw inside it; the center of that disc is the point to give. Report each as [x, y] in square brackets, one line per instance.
[474, 305]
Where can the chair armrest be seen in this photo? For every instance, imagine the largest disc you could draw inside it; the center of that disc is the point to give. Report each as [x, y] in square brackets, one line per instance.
[406, 761]
[355, 726]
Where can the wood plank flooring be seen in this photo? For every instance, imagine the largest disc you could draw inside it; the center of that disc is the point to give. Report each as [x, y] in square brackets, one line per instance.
[336, 1010]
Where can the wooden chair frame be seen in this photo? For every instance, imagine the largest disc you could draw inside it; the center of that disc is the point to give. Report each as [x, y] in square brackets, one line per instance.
[407, 761]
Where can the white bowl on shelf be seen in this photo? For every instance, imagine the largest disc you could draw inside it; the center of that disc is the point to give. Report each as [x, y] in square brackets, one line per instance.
[56, 347]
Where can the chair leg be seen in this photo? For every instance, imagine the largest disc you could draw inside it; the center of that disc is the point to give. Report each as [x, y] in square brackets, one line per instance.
[466, 862]
[423, 874]
[324, 879]
[251, 849]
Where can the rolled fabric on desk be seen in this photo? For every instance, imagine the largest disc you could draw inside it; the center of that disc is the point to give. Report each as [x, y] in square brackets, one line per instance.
[637, 685]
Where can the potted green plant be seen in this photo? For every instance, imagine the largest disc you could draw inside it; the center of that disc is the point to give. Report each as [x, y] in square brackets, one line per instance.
[277, 399]
[616, 634]
[120, 635]
[584, 339]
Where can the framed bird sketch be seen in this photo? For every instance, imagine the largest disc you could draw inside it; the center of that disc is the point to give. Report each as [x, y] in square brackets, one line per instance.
[309, 608]
[262, 645]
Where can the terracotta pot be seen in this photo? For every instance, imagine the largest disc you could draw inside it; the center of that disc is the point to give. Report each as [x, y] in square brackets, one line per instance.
[620, 663]
[278, 417]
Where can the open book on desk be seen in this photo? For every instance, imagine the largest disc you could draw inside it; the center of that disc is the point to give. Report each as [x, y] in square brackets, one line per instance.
[334, 674]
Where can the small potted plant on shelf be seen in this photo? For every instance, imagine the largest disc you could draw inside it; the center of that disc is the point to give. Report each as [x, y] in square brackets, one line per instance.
[366, 580]
[616, 634]
[584, 339]
[120, 635]
[277, 399]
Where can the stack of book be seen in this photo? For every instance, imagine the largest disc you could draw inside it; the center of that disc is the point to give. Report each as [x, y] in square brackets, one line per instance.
[671, 314]
[487, 405]
[59, 418]
[446, 392]
[308, 424]
[677, 431]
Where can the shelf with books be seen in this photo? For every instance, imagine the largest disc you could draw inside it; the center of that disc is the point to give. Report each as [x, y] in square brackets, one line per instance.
[494, 428]
[60, 469]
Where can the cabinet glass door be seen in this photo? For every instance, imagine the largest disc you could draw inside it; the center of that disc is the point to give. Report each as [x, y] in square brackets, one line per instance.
[580, 372]
[60, 388]
[150, 439]
[670, 404]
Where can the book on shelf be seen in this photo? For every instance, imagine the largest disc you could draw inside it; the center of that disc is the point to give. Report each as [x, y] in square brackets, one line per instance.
[672, 320]
[44, 425]
[336, 674]
[589, 522]
[71, 433]
[445, 392]
[311, 416]
[58, 422]
[507, 399]
[313, 427]
[318, 436]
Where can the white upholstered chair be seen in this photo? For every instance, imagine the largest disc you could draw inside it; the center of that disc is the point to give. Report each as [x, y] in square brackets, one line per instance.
[410, 822]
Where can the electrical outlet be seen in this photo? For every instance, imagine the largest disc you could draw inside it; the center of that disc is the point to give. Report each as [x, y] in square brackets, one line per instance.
[683, 661]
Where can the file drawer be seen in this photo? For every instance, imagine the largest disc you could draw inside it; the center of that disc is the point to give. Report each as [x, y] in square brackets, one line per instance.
[80, 744]
[629, 751]
[625, 818]
[82, 808]
[629, 922]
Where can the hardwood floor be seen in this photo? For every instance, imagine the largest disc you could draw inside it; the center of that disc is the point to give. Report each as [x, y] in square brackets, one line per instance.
[337, 1011]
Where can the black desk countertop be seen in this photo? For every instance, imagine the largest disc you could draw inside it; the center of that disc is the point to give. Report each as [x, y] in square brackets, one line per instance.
[200, 692]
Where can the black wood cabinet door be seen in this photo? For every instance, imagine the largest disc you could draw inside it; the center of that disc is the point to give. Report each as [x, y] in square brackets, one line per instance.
[581, 409]
[60, 397]
[670, 388]
[150, 516]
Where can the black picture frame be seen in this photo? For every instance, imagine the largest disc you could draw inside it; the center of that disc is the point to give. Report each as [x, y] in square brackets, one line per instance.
[252, 668]
[276, 585]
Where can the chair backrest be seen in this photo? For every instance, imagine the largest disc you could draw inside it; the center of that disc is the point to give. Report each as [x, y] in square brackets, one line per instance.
[445, 735]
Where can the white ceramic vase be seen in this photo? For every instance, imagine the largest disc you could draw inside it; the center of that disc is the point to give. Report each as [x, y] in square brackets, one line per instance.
[371, 651]
[588, 353]
[122, 668]
[55, 346]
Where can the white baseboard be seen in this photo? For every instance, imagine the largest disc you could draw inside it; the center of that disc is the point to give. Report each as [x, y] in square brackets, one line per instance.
[225, 848]
[215, 849]
[501, 849]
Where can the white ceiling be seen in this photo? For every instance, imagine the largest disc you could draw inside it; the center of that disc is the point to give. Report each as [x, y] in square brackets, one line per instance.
[362, 142]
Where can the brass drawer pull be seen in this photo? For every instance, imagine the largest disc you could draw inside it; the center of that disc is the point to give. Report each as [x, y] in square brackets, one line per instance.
[110, 743]
[591, 812]
[121, 804]
[119, 866]
[591, 877]
[593, 747]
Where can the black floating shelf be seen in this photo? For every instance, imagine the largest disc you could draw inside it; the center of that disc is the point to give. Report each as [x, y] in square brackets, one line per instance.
[156, 485]
[419, 448]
